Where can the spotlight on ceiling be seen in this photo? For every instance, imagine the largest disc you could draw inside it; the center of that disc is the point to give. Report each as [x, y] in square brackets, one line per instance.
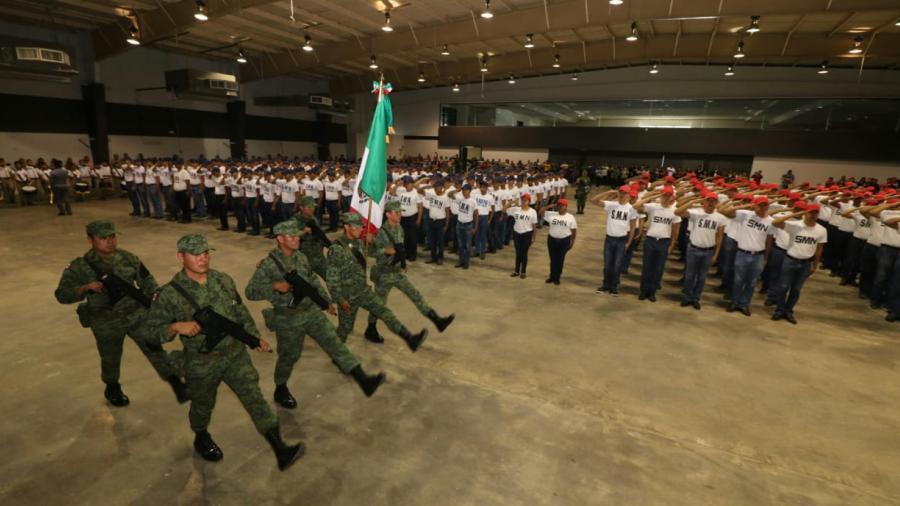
[575, 76]
[730, 71]
[484, 64]
[307, 43]
[857, 45]
[421, 78]
[445, 51]
[654, 69]
[200, 14]
[455, 88]
[512, 79]
[754, 25]
[823, 68]
[486, 13]
[373, 64]
[740, 50]
[556, 61]
[616, 2]
[387, 23]
[633, 36]
[529, 41]
[133, 34]
[241, 58]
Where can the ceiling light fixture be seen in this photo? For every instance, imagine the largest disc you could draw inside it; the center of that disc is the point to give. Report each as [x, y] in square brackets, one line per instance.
[575, 76]
[133, 34]
[633, 36]
[484, 64]
[512, 79]
[421, 78]
[857, 45]
[445, 51]
[387, 23]
[307, 43]
[374, 64]
[455, 88]
[201, 14]
[730, 71]
[654, 69]
[529, 41]
[823, 68]
[241, 58]
[754, 25]
[740, 50]
[486, 13]
[616, 2]
[556, 61]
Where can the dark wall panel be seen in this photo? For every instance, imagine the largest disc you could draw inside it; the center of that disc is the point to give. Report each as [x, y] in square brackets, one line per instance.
[734, 142]
[132, 119]
[20, 113]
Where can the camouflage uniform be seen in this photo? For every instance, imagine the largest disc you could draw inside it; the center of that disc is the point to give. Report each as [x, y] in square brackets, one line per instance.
[310, 245]
[228, 361]
[108, 323]
[386, 275]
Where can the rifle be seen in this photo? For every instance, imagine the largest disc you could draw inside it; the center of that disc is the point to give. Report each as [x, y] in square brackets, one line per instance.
[116, 288]
[301, 288]
[318, 233]
[399, 249]
[214, 325]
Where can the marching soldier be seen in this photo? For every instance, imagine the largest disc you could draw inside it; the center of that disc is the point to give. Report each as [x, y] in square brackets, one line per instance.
[311, 245]
[109, 313]
[346, 279]
[172, 314]
[293, 319]
[388, 272]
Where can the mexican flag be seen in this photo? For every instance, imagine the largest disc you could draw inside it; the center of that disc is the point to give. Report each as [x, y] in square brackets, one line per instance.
[371, 181]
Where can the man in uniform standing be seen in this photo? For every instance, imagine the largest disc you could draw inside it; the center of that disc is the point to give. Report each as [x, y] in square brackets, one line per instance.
[754, 240]
[346, 279]
[388, 272]
[197, 286]
[620, 230]
[807, 238]
[561, 238]
[705, 243]
[111, 315]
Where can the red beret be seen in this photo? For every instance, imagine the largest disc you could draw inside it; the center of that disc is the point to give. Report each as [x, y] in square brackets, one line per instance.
[812, 207]
[625, 188]
[563, 202]
[761, 200]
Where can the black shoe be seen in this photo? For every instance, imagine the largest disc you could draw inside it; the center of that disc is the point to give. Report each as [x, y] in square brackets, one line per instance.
[440, 261]
[440, 322]
[790, 318]
[222, 229]
[777, 316]
[514, 275]
[115, 396]
[284, 398]
[286, 454]
[372, 334]
[414, 340]
[642, 296]
[430, 261]
[252, 233]
[368, 383]
[651, 298]
[769, 303]
[556, 282]
[746, 311]
[458, 266]
[844, 282]
[696, 305]
[481, 256]
[875, 305]
[466, 266]
[179, 388]
[602, 290]
[206, 447]
[548, 280]
[522, 276]
[614, 293]
[891, 317]
[685, 303]
[731, 309]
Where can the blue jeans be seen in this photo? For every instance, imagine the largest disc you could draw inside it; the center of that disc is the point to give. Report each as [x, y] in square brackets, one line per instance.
[332, 207]
[154, 198]
[169, 199]
[792, 275]
[655, 253]
[481, 237]
[726, 262]
[887, 257]
[696, 266]
[199, 200]
[436, 238]
[239, 207]
[613, 255]
[464, 241]
[773, 271]
[498, 229]
[253, 214]
[747, 269]
[557, 248]
[629, 254]
[893, 296]
[131, 188]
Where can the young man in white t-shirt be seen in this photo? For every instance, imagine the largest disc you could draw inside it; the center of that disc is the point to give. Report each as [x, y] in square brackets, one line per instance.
[662, 231]
[705, 242]
[182, 196]
[560, 238]
[467, 223]
[754, 231]
[621, 219]
[807, 238]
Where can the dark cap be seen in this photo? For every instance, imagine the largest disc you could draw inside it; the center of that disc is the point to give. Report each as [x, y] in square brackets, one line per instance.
[193, 244]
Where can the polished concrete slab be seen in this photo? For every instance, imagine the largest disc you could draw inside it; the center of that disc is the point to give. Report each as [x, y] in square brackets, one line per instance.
[537, 394]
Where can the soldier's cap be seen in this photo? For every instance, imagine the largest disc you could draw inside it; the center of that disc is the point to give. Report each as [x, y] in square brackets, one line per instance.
[392, 206]
[289, 227]
[307, 201]
[352, 219]
[193, 244]
[100, 228]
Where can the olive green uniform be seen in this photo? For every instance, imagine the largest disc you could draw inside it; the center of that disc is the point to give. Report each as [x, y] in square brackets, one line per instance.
[312, 247]
[228, 362]
[582, 188]
[111, 323]
[291, 322]
[386, 275]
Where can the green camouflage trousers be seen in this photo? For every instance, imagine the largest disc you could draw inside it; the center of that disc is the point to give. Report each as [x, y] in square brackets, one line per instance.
[371, 303]
[384, 283]
[109, 333]
[291, 329]
[206, 372]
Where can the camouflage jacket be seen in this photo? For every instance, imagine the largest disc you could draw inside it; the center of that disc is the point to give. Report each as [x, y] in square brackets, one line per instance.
[310, 246]
[122, 263]
[219, 292]
[267, 272]
[346, 276]
[382, 241]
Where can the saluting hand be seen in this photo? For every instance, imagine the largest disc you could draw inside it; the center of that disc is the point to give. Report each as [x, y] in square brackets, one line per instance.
[189, 329]
[281, 286]
[263, 346]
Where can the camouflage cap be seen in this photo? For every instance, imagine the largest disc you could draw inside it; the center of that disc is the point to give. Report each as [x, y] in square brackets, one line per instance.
[289, 227]
[100, 228]
[392, 206]
[193, 244]
[352, 219]
[307, 201]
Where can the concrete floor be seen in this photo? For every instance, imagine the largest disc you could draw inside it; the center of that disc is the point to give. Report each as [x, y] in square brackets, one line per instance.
[536, 394]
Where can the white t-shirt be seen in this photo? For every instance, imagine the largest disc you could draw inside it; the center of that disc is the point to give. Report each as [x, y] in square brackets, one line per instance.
[409, 202]
[180, 178]
[751, 230]
[250, 187]
[437, 206]
[525, 220]
[889, 236]
[347, 186]
[140, 173]
[661, 220]
[194, 176]
[466, 208]
[705, 226]
[219, 182]
[826, 211]
[289, 191]
[561, 225]
[877, 231]
[782, 236]
[618, 217]
[804, 240]
[313, 188]
[128, 173]
[863, 227]
[268, 189]
[484, 202]
[165, 176]
[332, 189]
[209, 178]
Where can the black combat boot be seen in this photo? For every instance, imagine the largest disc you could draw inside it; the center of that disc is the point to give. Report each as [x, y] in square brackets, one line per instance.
[286, 454]
[206, 447]
[179, 388]
[284, 398]
[440, 322]
[368, 383]
[372, 334]
[115, 396]
[413, 340]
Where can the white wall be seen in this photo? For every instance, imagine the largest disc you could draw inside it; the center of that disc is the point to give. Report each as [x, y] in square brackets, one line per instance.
[817, 171]
[185, 147]
[521, 155]
[286, 148]
[15, 145]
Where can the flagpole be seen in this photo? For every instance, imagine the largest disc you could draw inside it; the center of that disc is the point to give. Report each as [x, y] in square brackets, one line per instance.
[369, 213]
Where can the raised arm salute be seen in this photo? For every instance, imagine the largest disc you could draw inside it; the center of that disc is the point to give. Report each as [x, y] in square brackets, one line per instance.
[807, 238]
